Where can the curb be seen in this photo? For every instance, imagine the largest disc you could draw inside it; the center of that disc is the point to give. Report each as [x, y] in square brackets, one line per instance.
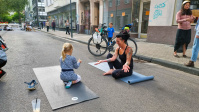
[194, 71]
[66, 38]
[168, 64]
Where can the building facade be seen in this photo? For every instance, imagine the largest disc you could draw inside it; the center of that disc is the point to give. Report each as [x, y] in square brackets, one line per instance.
[90, 15]
[59, 10]
[151, 19]
[29, 12]
[39, 14]
[162, 26]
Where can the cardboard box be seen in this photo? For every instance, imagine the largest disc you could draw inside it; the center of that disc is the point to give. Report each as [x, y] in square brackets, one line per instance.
[195, 13]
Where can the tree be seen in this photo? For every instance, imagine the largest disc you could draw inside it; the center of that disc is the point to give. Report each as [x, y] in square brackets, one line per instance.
[3, 9]
[15, 16]
[17, 6]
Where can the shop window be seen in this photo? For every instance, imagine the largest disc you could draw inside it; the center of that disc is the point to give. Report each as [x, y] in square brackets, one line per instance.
[194, 6]
[125, 20]
[135, 16]
[126, 1]
[110, 3]
[118, 2]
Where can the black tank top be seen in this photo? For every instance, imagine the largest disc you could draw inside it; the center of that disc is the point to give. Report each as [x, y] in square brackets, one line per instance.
[123, 58]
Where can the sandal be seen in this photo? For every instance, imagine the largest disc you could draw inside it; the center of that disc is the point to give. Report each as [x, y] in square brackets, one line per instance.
[175, 55]
[184, 56]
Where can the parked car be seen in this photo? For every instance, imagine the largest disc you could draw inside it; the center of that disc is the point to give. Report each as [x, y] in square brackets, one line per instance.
[8, 28]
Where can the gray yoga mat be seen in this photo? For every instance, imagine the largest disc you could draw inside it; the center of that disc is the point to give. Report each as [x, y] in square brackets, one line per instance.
[55, 91]
[134, 78]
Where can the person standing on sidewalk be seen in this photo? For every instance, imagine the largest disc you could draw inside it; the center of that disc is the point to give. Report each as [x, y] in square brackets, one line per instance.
[67, 24]
[195, 48]
[47, 25]
[53, 25]
[183, 36]
[42, 25]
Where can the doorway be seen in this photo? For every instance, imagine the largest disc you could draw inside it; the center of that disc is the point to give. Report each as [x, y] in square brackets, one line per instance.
[144, 18]
[96, 13]
[87, 17]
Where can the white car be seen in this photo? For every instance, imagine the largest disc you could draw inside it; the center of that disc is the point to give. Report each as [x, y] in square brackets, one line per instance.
[9, 28]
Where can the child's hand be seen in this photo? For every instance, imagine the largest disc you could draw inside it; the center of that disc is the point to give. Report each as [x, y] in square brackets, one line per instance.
[80, 61]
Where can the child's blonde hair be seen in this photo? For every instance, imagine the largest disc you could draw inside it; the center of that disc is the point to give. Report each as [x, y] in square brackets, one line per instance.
[65, 49]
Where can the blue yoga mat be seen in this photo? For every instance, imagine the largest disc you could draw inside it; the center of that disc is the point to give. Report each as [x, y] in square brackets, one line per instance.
[134, 78]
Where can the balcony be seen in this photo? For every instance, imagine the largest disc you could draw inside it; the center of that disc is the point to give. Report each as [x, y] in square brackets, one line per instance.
[40, 4]
[42, 13]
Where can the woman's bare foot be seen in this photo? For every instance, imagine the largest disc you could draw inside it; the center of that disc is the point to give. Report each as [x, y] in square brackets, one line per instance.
[109, 72]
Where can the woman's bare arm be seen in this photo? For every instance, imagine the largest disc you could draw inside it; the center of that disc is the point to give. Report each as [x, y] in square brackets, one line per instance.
[129, 53]
[110, 59]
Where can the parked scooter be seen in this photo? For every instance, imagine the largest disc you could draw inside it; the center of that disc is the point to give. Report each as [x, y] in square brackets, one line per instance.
[3, 45]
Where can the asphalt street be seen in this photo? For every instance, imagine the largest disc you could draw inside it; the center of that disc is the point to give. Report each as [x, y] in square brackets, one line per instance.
[170, 91]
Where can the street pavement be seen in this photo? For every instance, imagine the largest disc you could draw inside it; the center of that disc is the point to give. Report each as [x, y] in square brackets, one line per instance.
[158, 53]
[170, 91]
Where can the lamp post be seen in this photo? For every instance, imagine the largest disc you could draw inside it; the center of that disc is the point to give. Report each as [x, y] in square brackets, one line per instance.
[71, 19]
[37, 13]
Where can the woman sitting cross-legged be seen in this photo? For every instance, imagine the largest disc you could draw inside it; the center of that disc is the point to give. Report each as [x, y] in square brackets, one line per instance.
[125, 67]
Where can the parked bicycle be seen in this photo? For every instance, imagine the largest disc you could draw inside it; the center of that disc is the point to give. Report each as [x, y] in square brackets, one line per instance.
[98, 44]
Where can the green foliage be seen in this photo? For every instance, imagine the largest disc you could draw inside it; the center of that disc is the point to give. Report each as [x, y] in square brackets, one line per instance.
[17, 6]
[6, 18]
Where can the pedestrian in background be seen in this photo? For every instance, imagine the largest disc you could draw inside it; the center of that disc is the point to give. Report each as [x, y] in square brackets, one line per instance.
[195, 48]
[67, 24]
[110, 32]
[42, 25]
[183, 36]
[53, 25]
[47, 25]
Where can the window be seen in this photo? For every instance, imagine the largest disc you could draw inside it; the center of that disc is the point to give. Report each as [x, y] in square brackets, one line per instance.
[126, 1]
[118, 2]
[194, 6]
[110, 3]
[135, 16]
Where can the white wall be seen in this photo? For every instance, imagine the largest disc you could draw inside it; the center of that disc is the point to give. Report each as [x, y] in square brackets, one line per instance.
[51, 5]
[161, 12]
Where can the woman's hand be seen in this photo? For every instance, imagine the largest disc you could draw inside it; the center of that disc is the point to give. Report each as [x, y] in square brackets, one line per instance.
[80, 61]
[197, 36]
[126, 68]
[98, 62]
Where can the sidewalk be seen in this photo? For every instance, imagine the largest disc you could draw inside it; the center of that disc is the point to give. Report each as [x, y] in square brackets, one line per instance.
[156, 53]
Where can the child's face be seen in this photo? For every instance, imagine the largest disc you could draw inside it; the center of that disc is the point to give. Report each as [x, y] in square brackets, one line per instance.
[110, 25]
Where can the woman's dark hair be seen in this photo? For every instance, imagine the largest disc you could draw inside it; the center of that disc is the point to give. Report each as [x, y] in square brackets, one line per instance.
[124, 35]
[185, 11]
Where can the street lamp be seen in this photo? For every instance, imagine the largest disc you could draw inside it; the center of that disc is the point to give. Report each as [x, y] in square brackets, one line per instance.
[37, 13]
[71, 19]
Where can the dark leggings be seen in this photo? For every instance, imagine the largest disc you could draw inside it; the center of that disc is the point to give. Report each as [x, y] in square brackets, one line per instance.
[53, 28]
[47, 28]
[118, 72]
[67, 30]
[109, 39]
[2, 63]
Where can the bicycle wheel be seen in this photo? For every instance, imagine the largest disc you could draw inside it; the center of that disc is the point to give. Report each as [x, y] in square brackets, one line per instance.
[133, 45]
[97, 49]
